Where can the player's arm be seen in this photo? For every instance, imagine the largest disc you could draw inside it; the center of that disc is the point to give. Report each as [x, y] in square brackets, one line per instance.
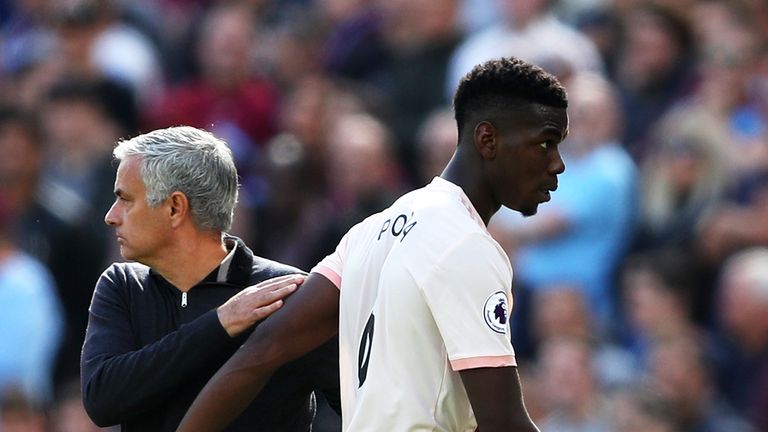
[497, 399]
[308, 318]
[471, 283]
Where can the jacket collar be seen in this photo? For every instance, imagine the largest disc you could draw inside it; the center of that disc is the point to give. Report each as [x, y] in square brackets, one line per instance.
[239, 265]
[239, 272]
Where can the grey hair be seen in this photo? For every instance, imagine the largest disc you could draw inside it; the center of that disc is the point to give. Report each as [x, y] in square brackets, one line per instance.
[752, 265]
[192, 161]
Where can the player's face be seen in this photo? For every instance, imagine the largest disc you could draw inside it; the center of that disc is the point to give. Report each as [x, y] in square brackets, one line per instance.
[141, 231]
[528, 158]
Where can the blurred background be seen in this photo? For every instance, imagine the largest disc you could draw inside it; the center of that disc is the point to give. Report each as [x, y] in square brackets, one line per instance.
[641, 289]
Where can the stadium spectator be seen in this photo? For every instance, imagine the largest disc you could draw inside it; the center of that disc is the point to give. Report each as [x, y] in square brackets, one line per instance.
[436, 143]
[20, 414]
[363, 175]
[68, 414]
[79, 134]
[742, 353]
[47, 228]
[680, 373]
[530, 30]
[561, 312]
[92, 34]
[655, 69]
[575, 401]
[30, 322]
[290, 224]
[640, 409]
[229, 95]
[421, 36]
[354, 49]
[657, 289]
[25, 39]
[686, 174]
[730, 46]
[736, 223]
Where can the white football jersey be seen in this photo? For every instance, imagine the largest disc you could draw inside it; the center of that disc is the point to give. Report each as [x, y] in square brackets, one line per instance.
[425, 293]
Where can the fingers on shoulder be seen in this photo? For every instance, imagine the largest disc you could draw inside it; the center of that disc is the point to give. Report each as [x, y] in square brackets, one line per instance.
[281, 281]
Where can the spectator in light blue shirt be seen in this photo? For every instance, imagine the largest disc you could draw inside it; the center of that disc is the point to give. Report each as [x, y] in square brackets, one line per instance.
[30, 320]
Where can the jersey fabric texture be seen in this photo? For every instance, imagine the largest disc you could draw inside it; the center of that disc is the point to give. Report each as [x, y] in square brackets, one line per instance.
[148, 353]
[424, 293]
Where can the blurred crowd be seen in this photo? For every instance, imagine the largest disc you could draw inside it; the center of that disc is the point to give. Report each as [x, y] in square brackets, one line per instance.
[641, 289]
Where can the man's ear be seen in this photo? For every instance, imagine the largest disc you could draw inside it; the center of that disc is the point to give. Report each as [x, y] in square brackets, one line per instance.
[486, 139]
[179, 208]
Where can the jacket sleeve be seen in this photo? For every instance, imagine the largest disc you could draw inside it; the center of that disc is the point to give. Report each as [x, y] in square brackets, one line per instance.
[120, 381]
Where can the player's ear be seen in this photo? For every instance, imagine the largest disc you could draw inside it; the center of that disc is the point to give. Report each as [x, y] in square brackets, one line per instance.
[486, 139]
[178, 207]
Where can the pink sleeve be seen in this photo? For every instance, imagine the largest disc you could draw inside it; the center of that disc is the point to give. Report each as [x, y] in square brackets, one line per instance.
[481, 362]
[329, 273]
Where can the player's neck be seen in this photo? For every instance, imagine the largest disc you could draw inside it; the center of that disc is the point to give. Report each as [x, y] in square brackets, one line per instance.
[192, 259]
[464, 173]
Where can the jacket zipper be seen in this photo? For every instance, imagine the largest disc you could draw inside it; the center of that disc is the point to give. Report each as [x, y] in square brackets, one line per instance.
[184, 299]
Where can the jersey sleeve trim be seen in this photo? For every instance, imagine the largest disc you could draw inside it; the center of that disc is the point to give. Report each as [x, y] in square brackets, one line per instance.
[332, 276]
[481, 362]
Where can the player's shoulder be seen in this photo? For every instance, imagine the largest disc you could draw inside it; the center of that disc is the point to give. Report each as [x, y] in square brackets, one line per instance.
[126, 271]
[264, 268]
[123, 277]
[447, 212]
[436, 197]
[439, 209]
[474, 253]
[436, 211]
[478, 242]
[427, 206]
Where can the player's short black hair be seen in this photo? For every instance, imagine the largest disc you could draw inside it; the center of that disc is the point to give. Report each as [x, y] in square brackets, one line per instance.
[499, 83]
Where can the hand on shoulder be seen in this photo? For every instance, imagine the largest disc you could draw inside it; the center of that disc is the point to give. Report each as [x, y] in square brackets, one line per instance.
[256, 302]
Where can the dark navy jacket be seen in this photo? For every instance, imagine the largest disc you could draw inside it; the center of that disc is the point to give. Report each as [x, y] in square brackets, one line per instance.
[146, 357]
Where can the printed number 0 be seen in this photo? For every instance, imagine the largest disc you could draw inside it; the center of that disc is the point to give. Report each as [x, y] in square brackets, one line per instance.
[364, 354]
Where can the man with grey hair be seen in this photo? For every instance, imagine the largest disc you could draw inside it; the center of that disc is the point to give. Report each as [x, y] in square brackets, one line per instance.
[159, 327]
[742, 353]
